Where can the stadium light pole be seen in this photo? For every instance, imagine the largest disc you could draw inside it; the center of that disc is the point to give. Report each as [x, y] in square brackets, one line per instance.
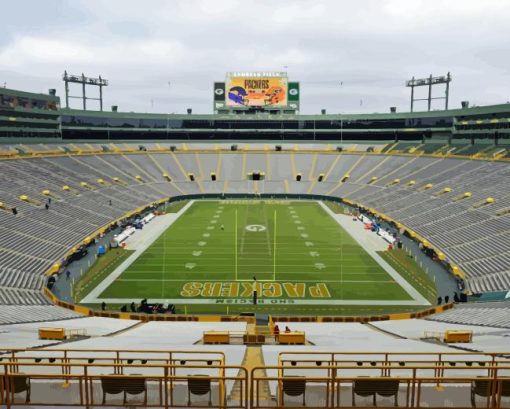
[341, 121]
[168, 117]
[84, 81]
[429, 82]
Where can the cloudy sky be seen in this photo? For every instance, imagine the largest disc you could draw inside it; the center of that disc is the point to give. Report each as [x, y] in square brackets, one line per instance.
[350, 56]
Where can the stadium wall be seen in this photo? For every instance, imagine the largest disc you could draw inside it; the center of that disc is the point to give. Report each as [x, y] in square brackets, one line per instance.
[226, 318]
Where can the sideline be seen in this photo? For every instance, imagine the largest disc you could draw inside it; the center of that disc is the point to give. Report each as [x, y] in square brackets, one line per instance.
[348, 225]
[264, 301]
[155, 230]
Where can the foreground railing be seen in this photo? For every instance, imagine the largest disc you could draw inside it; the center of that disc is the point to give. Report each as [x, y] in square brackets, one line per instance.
[106, 384]
[318, 379]
[386, 362]
[355, 386]
[117, 356]
[153, 378]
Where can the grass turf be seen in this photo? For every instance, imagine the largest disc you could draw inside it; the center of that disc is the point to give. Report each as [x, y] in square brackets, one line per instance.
[409, 269]
[174, 207]
[103, 266]
[297, 243]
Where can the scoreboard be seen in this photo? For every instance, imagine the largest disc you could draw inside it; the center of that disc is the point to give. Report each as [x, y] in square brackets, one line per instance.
[256, 90]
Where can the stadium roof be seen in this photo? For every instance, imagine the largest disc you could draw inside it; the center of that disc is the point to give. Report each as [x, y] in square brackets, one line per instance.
[489, 109]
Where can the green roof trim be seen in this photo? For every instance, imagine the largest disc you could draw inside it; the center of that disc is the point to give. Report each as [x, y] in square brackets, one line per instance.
[24, 94]
[489, 109]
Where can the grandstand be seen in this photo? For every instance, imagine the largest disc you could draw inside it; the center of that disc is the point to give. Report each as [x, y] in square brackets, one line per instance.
[442, 199]
[72, 182]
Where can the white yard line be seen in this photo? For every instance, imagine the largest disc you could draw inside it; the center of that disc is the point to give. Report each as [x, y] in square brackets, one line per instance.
[145, 237]
[268, 237]
[243, 234]
[364, 239]
[352, 272]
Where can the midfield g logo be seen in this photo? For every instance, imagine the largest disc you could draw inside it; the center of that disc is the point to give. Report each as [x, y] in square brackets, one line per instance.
[255, 228]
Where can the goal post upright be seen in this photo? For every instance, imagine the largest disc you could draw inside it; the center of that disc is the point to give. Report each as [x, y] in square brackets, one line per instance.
[235, 245]
[274, 247]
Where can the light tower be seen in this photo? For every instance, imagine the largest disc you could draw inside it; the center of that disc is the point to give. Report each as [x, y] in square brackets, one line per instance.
[429, 82]
[84, 81]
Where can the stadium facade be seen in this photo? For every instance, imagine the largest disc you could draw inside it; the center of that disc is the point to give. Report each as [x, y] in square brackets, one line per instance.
[24, 114]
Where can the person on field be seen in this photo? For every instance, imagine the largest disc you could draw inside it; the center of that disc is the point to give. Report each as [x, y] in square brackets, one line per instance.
[276, 330]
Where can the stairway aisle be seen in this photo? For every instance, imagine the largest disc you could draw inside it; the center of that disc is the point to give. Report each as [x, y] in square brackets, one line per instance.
[253, 358]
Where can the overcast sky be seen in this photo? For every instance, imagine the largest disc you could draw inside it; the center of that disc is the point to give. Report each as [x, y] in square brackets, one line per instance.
[350, 56]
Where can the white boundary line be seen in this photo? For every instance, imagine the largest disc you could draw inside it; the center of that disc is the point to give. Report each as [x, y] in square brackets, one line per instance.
[408, 288]
[268, 301]
[162, 225]
[179, 280]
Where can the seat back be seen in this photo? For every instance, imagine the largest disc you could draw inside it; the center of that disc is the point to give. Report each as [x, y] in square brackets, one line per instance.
[199, 386]
[382, 387]
[294, 386]
[505, 388]
[482, 388]
[112, 386]
[387, 387]
[134, 385]
[17, 383]
[364, 387]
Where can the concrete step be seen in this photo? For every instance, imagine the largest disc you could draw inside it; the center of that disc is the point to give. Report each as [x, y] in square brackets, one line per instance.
[263, 330]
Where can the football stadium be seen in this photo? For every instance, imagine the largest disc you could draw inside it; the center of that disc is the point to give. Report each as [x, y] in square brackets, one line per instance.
[254, 256]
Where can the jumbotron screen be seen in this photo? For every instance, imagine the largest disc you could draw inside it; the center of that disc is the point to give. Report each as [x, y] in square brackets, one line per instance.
[256, 90]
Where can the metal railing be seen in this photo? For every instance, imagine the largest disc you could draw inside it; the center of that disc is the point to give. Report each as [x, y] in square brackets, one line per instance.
[323, 379]
[97, 384]
[332, 386]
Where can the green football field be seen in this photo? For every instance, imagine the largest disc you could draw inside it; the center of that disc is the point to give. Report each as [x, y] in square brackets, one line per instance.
[218, 252]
